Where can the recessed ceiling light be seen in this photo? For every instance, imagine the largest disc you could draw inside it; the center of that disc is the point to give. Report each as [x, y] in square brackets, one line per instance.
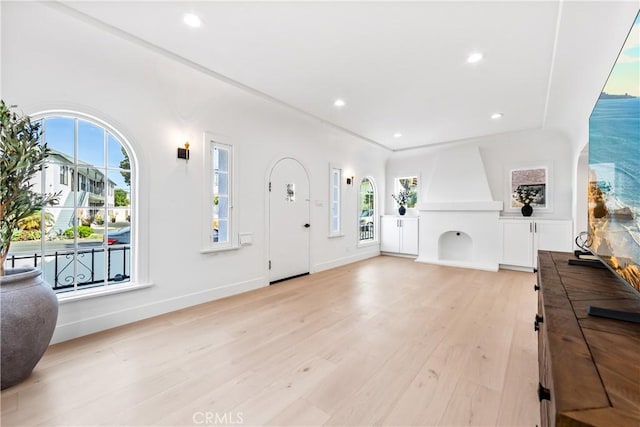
[496, 115]
[339, 103]
[192, 20]
[397, 135]
[474, 57]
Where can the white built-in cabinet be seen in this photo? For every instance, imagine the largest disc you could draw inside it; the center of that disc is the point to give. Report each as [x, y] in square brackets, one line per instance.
[522, 239]
[399, 234]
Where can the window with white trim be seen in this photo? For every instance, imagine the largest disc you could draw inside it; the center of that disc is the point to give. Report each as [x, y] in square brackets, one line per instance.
[334, 202]
[85, 241]
[222, 203]
[367, 211]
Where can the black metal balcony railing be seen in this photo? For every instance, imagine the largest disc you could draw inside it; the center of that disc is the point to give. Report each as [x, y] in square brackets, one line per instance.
[87, 273]
[366, 232]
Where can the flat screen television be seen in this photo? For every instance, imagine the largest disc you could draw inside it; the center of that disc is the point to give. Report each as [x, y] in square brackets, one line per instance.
[614, 166]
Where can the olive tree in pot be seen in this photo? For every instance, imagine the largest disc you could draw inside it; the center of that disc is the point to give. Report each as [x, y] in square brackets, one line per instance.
[28, 306]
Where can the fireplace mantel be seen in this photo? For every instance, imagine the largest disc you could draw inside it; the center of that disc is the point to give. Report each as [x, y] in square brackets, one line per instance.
[469, 206]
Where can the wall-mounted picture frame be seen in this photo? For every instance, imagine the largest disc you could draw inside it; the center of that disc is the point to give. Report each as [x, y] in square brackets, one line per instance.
[529, 185]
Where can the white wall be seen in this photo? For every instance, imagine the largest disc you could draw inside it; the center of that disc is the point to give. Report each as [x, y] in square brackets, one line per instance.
[499, 153]
[54, 61]
[573, 92]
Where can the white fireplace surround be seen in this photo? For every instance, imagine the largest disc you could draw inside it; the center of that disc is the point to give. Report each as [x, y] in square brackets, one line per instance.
[460, 236]
[459, 218]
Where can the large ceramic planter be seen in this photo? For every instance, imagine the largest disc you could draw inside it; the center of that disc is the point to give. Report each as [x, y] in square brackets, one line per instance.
[29, 310]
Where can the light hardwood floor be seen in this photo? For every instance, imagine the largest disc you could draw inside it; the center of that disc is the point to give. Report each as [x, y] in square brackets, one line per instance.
[385, 341]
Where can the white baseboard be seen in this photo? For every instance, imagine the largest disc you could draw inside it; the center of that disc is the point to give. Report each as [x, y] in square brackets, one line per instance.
[92, 325]
[516, 268]
[460, 264]
[339, 262]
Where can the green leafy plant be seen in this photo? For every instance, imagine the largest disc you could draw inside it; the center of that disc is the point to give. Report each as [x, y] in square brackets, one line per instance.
[33, 221]
[120, 197]
[22, 156]
[83, 232]
[26, 235]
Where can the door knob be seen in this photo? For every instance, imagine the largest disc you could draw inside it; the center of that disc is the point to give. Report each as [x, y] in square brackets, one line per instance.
[307, 225]
[543, 393]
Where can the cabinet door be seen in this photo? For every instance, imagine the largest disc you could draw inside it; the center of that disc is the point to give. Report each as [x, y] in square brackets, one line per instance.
[409, 236]
[553, 236]
[389, 234]
[517, 243]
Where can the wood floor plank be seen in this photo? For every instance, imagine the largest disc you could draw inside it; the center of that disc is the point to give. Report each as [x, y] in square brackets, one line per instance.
[385, 341]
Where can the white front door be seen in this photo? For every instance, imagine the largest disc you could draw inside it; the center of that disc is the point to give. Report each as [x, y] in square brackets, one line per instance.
[288, 220]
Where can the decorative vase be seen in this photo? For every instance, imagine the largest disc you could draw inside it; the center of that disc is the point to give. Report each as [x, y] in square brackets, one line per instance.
[526, 210]
[29, 311]
[402, 210]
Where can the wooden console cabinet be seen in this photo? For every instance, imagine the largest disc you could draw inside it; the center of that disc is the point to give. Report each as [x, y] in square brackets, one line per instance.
[589, 366]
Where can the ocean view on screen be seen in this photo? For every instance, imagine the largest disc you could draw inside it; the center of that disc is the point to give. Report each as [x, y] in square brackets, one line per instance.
[614, 165]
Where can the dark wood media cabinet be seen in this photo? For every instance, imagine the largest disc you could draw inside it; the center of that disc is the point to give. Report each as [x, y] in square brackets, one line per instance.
[589, 366]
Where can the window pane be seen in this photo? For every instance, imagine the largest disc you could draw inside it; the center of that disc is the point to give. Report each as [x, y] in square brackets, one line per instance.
[223, 231]
[90, 189]
[118, 157]
[222, 162]
[59, 136]
[90, 144]
[90, 267]
[118, 192]
[222, 180]
[223, 207]
[119, 264]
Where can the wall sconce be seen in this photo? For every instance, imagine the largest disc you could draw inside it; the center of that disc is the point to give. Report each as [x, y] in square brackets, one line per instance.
[350, 180]
[183, 153]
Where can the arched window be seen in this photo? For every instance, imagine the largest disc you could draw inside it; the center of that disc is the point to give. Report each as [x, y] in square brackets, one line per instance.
[85, 241]
[367, 207]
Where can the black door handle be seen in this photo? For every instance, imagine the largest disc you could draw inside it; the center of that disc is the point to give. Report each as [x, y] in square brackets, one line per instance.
[536, 323]
[307, 225]
[543, 393]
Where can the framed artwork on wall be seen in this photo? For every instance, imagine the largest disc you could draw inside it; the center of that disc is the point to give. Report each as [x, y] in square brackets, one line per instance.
[529, 185]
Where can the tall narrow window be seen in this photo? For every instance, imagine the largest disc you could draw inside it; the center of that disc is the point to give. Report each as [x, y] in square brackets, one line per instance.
[85, 241]
[221, 207]
[334, 186]
[367, 211]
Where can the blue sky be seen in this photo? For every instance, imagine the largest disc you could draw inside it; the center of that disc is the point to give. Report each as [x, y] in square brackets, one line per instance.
[624, 76]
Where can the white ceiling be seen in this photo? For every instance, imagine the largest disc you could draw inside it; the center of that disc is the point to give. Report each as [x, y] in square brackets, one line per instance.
[400, 67]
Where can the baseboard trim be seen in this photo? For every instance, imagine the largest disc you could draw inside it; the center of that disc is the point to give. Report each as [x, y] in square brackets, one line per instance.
[339, 262]
[516, 268]
[459, 264]
[68, 331]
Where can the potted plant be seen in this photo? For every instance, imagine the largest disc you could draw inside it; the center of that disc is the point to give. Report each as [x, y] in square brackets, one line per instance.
[526, 194]
[402, 198]
[28, 306]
